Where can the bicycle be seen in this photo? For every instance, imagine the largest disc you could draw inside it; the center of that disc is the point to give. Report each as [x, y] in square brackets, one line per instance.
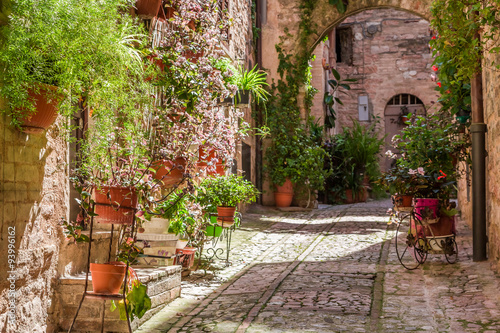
[415, 239]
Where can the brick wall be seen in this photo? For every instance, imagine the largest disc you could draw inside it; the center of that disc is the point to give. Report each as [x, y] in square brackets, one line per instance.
[390, 56]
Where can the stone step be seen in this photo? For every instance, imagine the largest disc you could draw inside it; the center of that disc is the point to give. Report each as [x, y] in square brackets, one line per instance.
[164, 285]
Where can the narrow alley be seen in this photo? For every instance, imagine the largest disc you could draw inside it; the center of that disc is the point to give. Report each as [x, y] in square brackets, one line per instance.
[333, 270]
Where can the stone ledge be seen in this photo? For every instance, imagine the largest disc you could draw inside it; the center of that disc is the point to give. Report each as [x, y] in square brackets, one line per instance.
[146, 275]
[164, 285]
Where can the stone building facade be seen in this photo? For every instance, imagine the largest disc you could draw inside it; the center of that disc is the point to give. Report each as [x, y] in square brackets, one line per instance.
[35, 195]
[387, 52]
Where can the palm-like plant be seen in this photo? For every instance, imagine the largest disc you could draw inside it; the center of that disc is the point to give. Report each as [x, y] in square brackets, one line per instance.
[253, 81]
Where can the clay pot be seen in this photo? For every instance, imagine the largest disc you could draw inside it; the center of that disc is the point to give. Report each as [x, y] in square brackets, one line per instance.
[207, 154]
[187, 257]
[225, 216]
[115, 204]
[362, 195]
[402, 200]
[147, 8]
[107, 278]
[349, 198]
[46, 103]
[283, 199]
[284, 194]
[444, 227]
[170, 173]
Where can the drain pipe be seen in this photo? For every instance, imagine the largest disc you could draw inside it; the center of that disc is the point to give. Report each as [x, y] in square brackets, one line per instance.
[478, 131]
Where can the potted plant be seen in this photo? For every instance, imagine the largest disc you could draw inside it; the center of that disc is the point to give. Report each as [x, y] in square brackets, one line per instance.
[225, 193]
[68, 59]
[251, 83]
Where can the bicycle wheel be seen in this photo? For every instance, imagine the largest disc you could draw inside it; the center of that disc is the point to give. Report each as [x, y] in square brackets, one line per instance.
[405, 246]
[420, 249]
[451, 250]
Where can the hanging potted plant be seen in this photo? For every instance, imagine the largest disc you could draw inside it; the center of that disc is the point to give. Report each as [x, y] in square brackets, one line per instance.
[225, 193]
[68, 60]
[250, 83]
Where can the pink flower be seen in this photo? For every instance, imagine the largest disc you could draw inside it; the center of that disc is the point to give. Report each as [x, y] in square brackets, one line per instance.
[130, 241]
[412, 172]
[435, 68]
[421, 171]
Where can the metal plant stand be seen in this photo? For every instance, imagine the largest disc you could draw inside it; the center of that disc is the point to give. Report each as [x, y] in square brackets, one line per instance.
[217, 253]
[105, 297]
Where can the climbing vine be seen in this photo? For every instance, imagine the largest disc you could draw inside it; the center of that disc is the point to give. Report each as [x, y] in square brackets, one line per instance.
[458, 50]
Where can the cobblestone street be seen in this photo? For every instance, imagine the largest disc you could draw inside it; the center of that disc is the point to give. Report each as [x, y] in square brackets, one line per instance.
[333, 269]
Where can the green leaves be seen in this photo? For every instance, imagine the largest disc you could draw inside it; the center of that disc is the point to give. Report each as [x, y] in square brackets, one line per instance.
[341, 7]
[227, 191]
[138, 302]
[338, 85]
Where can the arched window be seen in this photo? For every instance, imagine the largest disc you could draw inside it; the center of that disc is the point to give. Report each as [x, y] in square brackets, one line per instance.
[405, 99]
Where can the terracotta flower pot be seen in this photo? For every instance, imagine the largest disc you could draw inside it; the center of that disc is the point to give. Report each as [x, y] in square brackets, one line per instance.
[46, 103]
[402, 200]
[207, 154]
[107, 278]
[287, 187]
[225, 216]
[283, 199]
[147, 8]
[187, 257]
[349, 197]
[362, 195]
[118, 208]
[445, 226]
[170, 172]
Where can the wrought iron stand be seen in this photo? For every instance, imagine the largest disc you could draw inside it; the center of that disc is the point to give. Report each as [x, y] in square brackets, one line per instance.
[104, 297]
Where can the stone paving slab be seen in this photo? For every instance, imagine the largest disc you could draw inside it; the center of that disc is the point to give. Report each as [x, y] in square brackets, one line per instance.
[333, 270]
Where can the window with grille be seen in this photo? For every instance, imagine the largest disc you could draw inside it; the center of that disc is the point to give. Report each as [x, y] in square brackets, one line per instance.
[405, 99]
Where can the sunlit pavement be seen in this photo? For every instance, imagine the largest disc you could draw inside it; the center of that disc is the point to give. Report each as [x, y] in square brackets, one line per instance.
[333, 269]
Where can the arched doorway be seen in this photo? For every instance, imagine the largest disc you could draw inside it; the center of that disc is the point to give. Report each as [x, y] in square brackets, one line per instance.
[398, 106]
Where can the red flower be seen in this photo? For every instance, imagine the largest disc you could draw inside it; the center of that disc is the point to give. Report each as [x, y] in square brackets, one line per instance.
[433, 37]
[435, 68]
[439, 84]
[443, 175]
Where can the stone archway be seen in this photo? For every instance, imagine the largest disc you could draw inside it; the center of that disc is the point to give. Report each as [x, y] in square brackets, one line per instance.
[279, 16]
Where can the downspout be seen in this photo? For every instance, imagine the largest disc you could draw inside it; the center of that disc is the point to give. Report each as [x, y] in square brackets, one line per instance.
[260, 8]
[478, 130]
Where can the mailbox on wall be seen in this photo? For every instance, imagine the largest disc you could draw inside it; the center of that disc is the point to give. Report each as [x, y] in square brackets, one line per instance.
[363, 108]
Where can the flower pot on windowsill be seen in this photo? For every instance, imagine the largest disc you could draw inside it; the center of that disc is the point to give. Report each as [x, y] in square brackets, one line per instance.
[115, 204]
[225, 216]
[46, 101]
[147, 9]
[107, 278]
[242, 98]
[170, 172]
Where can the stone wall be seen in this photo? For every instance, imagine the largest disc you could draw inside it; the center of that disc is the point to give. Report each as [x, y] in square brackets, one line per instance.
[33, 188]
[390, 56]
